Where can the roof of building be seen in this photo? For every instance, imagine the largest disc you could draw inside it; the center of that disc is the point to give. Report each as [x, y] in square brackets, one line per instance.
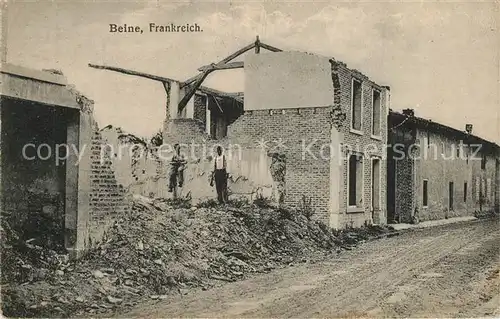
[209, 91]
[48, 76]
[410, 118]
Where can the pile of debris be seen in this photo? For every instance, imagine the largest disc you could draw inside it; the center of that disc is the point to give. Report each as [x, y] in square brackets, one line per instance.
[157, 250]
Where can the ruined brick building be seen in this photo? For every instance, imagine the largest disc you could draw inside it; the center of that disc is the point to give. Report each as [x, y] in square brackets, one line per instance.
[436, 172]
[64, 197]
[327, 122]
[307, 130]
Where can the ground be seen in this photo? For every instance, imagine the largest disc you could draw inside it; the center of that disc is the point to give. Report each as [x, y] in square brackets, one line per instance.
[444, 271]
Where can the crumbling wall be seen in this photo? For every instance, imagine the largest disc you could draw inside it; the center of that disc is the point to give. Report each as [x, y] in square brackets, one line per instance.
[145, 169]
[200, 103]
[300, 116]
[107, 197]
[101, 199]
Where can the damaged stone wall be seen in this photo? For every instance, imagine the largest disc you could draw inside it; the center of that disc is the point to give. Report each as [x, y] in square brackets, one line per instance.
[101, 198]
[147, 175]
[306, 174]
[107, 197]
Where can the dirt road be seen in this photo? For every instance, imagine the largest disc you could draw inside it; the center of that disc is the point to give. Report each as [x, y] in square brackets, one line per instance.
[450, 271]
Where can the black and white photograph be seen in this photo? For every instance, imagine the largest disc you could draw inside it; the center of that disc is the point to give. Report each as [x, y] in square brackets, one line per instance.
[249, 159]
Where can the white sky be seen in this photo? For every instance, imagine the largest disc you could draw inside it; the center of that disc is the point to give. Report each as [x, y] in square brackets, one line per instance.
[442, 59]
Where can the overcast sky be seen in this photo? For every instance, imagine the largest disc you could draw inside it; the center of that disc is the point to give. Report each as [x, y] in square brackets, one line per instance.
[442, 59]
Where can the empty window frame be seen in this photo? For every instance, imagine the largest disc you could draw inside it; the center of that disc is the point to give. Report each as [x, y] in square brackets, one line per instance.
[355, 176]
[451, 194]
[425, 193]
[465, 192]
[483, 162]
[356, 105]
[376, 183]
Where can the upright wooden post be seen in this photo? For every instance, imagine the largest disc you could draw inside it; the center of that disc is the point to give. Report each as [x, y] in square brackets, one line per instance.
[257, 45]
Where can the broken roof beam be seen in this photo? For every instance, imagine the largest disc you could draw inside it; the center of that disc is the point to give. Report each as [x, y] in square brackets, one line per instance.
[131, 72]
[192, 90]
[269, 47]
[221, 62]
[226, 66]
[235, 65]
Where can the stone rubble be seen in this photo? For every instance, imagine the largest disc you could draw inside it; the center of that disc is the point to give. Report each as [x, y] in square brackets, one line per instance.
[157, 250]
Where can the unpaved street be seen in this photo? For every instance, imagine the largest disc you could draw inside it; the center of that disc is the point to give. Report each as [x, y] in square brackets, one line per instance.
[450, 271]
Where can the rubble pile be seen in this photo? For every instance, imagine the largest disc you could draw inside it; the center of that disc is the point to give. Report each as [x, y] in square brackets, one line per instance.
[156, 250]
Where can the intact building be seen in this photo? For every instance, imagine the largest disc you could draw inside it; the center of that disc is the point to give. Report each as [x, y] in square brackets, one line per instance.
[435, 171]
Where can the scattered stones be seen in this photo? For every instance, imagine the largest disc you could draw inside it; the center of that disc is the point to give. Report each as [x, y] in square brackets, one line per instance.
[140, 245]
[155, 251]
[114, 300]
[158, 261]
[108, 270]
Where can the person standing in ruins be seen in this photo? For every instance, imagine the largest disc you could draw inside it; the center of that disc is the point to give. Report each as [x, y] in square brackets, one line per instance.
[220, 176]
[278, 172]
[177, 167]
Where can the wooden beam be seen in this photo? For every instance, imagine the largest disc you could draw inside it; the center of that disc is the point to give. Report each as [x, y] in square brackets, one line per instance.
[257, 45]
[217, 102]
[237, 53]
[131, 72]
[269, 47]
[226, 66]
[223, 61]
[192, 90]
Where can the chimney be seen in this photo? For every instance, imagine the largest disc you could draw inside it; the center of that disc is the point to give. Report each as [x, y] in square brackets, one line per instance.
[468, 128]
[409, 112]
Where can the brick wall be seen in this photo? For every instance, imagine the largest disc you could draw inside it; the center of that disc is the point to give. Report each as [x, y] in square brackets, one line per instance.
[107, 197]
[405, 190]
[363, 143]
[306, 174]
[184, 131]
[199, 114]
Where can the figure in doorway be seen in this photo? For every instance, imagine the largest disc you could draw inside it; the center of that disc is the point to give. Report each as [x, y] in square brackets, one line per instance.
[220, 176]
[177, 167]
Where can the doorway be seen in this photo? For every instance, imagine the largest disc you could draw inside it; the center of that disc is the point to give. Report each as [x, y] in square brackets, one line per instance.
[450, 196]
[375, 190]
[34, 170]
